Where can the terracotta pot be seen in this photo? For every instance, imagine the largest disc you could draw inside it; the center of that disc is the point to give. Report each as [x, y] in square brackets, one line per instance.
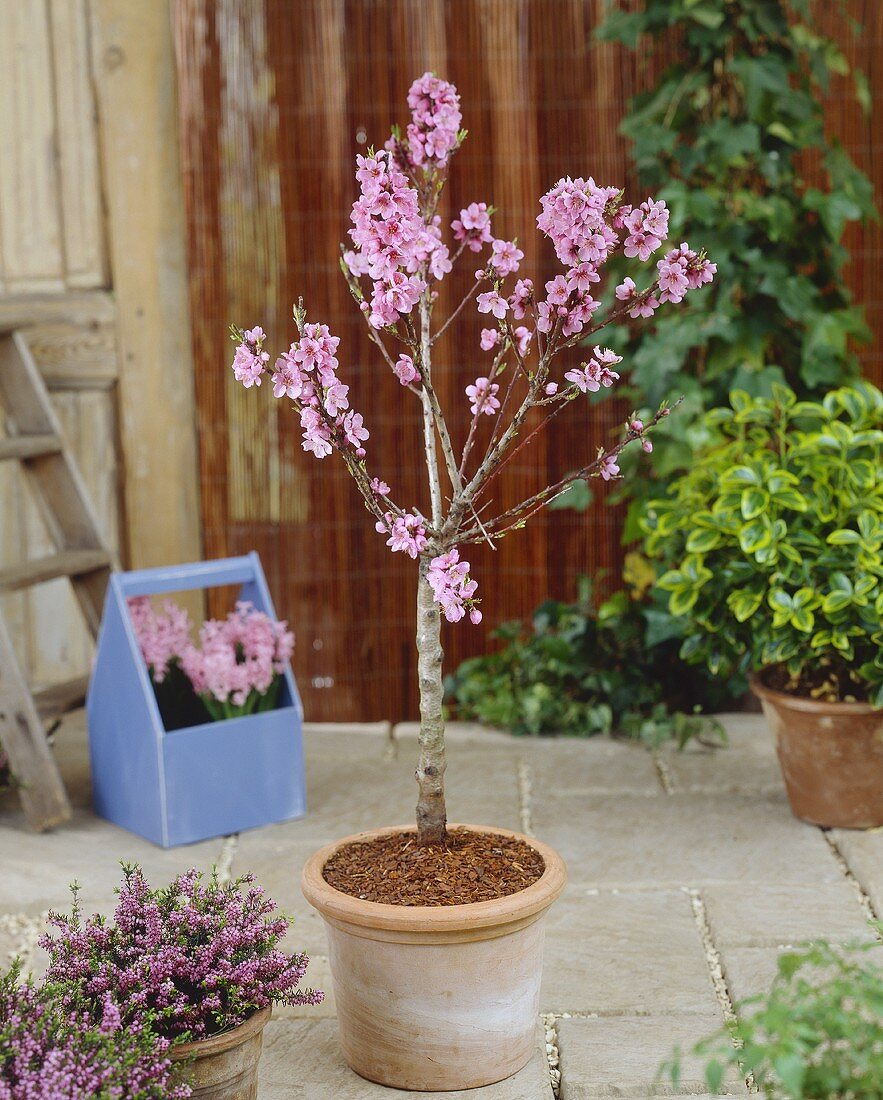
[436, 998]
[831, 755]
[225, 1066]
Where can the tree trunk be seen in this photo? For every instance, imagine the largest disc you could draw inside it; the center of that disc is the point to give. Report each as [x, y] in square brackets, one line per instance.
[431, 812]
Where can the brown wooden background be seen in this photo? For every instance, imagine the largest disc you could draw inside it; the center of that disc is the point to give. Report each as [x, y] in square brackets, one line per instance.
[276, 98]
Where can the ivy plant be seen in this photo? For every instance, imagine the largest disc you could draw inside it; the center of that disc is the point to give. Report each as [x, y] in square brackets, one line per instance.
[726, 136]
[816, 1035]
[581, 670]
[774, 540]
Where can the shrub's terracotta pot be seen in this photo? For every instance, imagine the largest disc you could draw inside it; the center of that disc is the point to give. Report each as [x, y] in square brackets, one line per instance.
[433, 998]
[225, 1066]
[831, 756]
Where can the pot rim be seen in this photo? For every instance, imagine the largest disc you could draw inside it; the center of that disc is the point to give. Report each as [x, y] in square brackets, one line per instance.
[804, 702]
[224, 1040]
[518, 907]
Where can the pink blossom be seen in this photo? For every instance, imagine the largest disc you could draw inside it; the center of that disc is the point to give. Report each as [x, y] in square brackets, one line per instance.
[250, 360]
[491, 302]
[407, 535]
[521, 298]
[544, 317]
[379, 488]
[490, 337]
[435, 114]
[452, 588]
[647, 228]
[551, 389]
[286, 378]
[573, 216]
[473, 226]
[557, 291]
[581, 277]
[506, 258]
[609, 468]
[523, 337]
[405, 370]
[482, 395]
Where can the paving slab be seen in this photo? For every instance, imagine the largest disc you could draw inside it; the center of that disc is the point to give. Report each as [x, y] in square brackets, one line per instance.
[595, 765]
[684, 840]
[749, 971]
[863, 852]
[301, 1060]
[624, 954]
[747, 763]
[772, 915]
[621, 1056]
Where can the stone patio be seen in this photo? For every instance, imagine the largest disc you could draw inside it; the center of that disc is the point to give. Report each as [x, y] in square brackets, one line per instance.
[688, 874]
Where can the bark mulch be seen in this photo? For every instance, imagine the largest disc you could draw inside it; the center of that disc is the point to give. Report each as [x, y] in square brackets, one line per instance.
[395, 869]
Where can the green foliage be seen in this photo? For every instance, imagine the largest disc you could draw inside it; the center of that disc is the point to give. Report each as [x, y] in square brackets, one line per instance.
[817, 1035]
[581, 671]
[725, 137]
[774, 541]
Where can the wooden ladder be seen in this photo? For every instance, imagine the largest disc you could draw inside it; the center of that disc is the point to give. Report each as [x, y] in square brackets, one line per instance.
[35, 440]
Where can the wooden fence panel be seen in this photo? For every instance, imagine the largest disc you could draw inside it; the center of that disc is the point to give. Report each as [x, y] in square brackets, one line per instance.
[274, 107]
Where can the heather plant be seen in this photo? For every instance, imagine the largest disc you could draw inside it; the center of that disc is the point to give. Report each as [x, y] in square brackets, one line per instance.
[54, 1048]
[190, 960]
[779, 563]
[817, 1035]
[531, 341]
[235, 670]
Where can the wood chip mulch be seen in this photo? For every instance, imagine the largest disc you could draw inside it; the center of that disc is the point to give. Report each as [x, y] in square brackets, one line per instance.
[396, 870]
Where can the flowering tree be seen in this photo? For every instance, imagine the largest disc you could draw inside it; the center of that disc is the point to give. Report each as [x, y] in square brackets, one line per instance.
[393, 271]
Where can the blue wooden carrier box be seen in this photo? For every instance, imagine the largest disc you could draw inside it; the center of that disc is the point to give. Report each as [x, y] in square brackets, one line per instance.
[179, 786]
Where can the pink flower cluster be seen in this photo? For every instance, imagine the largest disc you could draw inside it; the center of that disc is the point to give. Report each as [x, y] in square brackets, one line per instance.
[483, 398]
[591, 376]
[192, 959]
[452, 587]
[307, 373]
[162, 636]
[407, 533]
[50, 1051]
[433, 132]
[250, 360]
[239, 658]
[681, 270]
[473, 226]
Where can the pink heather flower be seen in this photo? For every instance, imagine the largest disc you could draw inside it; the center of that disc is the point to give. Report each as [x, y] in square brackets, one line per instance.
[452, 588]
[523, 337]
[473, 226]
[405, 370]
[250, 360]
[187, 961]
[407, 534]
[436, 118]
[162, 637]
[379, 488]
[506, 258]
[490, 337]
[482, 395]
[521, 298]
[609, 468]
[491, 302]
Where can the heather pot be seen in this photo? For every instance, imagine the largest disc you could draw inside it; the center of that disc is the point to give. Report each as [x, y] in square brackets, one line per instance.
[831, 755]
[436, 998]
[225, 1066]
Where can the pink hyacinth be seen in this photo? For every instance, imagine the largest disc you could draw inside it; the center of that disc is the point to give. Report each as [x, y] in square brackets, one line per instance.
[238, 658]
[452, 587]
[482, 395]
[163, 637]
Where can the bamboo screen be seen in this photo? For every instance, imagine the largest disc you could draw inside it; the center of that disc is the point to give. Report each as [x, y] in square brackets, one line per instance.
[276, 98]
